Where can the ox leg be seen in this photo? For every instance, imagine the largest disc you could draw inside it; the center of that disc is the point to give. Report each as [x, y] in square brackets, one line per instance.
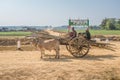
[57, 53]
[42, 53]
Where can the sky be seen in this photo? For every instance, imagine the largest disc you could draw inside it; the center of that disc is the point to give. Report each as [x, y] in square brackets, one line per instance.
[56, 12]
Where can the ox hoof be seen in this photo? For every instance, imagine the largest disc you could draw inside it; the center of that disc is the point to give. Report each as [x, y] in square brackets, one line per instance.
[41, 57]
[57, 57]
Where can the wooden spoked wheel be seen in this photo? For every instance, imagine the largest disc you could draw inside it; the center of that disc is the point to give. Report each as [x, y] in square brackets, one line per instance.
[78, 47]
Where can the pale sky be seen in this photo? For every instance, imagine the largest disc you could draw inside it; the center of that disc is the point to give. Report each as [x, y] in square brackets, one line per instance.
[56, 12]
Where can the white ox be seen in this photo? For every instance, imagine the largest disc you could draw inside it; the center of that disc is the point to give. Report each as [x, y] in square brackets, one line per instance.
[51, 44]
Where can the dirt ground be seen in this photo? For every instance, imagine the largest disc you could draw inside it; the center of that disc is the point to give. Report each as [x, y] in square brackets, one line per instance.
[98, 64]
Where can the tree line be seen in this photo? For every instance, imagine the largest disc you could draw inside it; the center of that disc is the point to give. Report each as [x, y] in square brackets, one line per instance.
[110, 24]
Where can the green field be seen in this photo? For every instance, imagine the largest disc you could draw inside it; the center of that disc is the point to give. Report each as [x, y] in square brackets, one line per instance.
[17, 33]
[93, 32]
[105, 32]
[99, 32]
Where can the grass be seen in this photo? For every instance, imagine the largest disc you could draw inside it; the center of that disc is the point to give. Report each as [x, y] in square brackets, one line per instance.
[105, 32]
[13, 33]
[99, 32]
[93, 32]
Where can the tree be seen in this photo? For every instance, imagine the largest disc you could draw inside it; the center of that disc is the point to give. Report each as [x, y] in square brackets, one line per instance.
[109, 24]
[112, 24]
[118, 21]
[118, 24]
[103, 24]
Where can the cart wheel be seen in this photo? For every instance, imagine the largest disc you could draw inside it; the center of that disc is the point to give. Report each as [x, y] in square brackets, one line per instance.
[78, 47]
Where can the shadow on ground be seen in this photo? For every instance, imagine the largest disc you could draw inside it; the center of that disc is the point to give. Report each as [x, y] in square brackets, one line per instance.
[68, 58]
[100, 57]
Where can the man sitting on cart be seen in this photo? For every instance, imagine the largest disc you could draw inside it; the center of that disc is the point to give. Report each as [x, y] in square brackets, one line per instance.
[69, 37]
[73, 34]
[88, 35]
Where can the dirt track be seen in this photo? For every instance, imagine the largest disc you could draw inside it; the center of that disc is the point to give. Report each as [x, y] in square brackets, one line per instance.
[99, 64]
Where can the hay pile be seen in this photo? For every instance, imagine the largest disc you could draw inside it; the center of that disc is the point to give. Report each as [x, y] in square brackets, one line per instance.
[111, 38]
[42, 34]
[12, 42]
[7, 42]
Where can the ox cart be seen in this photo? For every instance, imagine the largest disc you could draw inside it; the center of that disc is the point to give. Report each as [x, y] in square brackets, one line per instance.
[78, 46]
